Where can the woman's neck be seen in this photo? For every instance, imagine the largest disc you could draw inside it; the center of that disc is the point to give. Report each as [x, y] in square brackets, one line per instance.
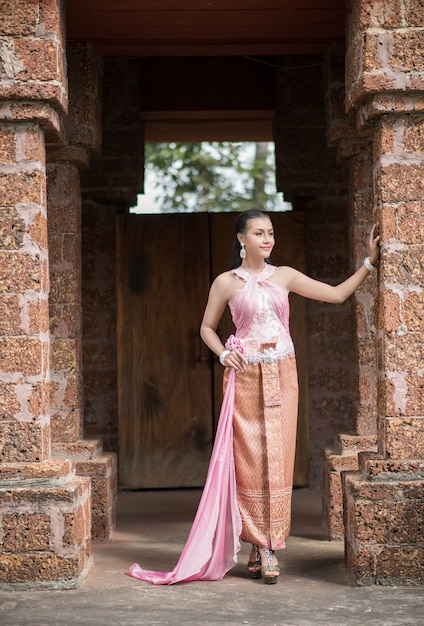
[254, 267]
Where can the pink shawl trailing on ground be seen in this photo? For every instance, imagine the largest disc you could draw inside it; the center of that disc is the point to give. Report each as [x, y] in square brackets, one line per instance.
[214, 540]
[213, 543]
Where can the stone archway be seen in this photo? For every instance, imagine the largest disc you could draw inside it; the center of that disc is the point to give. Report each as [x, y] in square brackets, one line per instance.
[382, 108]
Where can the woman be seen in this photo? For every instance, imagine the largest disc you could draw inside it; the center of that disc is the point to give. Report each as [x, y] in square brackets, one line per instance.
[247, 493]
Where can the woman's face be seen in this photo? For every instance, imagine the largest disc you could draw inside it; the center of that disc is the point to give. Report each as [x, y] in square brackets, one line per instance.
[259, 237]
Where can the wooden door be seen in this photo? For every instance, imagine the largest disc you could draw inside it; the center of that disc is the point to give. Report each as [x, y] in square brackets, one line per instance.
[169, 384]
[164, 372]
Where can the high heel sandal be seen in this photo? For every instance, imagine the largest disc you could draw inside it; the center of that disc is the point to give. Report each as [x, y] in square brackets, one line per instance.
[254, 567]
[270, 571]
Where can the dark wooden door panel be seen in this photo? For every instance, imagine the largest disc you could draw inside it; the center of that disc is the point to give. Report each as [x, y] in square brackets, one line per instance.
[165, 406]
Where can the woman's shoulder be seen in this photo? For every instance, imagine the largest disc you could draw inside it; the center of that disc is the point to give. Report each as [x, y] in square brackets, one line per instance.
[225, 278]
[282, 275]
[226, 284]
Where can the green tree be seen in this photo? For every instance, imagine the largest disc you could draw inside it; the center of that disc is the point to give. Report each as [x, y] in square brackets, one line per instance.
[213, 176]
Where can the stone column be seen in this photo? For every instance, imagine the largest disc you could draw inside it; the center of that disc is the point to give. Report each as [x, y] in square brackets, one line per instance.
[25, 341]
[81, 139]
[109, 187]
[384, 500]
[355, 147]
[45, 509]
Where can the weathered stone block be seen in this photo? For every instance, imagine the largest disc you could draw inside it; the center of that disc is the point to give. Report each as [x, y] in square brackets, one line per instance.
[401, 394]
[413, 134]
[65, 354]
[18, 18]
[55, 252]
[23, 442]
[103, 473]
[37, 230]
[19, 272]
[384, 534]
[22, 355]
[390, 469]
[38, 58]
[51, 468]
[390, 309]
[381, 14]
[83, 124]
[16, 188]
[34, 314]
[65, 285]
[404, 437]
[66, 426]
[71, 251]
[12, 229]
[33, 148]
[25, 532]
[410, 227]
[10, 315]
[401, 183]
[7, 147]
[46, 525]
[72, 321]
[403, 351]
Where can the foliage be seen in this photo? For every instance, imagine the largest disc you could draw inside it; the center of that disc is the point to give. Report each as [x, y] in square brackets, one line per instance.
[212, 176]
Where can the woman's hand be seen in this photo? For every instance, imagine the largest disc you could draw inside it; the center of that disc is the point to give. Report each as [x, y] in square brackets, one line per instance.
[374, 244]
[237, 360]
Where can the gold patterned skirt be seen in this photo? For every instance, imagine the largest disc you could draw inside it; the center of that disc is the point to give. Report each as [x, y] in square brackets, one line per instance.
[264, 430]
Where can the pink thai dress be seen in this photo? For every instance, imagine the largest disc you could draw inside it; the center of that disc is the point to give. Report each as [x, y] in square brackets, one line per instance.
[247, 493]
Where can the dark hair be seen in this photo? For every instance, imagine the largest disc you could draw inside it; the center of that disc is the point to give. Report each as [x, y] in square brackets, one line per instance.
[242, 224]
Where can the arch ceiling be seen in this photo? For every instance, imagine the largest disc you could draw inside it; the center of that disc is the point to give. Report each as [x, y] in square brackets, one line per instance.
[206, 27]
[208, 65]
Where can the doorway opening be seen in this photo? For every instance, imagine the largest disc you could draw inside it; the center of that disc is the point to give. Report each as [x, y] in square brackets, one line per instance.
[210, 177]
[169, 383]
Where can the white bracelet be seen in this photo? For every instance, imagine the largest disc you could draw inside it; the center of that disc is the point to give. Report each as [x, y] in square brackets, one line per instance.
[370, 267]
[222, 356]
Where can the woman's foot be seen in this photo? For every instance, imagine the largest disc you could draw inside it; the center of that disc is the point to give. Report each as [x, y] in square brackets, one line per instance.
[269, 566]
[254, 565]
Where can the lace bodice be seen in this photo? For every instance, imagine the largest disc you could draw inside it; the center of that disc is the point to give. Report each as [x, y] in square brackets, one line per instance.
[268, 321]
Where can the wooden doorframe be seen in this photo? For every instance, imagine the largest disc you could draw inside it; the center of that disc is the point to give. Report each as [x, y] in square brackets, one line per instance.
[289, 250]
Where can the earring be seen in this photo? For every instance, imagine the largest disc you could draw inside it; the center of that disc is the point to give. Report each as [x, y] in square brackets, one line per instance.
[242, 251]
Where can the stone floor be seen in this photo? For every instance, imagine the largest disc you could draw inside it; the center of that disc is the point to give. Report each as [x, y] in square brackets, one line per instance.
[313, 588]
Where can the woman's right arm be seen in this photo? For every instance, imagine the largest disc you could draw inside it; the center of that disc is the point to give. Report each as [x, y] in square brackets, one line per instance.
[219, 296]
[217, 301]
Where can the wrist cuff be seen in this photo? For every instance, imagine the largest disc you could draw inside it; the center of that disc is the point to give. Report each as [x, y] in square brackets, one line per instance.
[370, 267]
[222, 356]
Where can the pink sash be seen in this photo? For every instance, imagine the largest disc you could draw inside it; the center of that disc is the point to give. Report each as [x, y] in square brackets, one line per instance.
[213, 543]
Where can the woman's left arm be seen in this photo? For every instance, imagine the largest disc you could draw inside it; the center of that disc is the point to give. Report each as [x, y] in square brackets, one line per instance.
[317, 290]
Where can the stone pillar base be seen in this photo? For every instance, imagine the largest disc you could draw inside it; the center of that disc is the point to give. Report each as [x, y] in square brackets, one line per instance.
[383, 516]
[340, 457]
[101, 468]
[45, 531]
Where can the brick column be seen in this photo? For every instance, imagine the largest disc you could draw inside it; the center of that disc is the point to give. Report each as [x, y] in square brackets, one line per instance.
[81, 138]
[109, 187]
[64, 234]
[384, 501]
[25, 341]
[44, 508]
[355, 147]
